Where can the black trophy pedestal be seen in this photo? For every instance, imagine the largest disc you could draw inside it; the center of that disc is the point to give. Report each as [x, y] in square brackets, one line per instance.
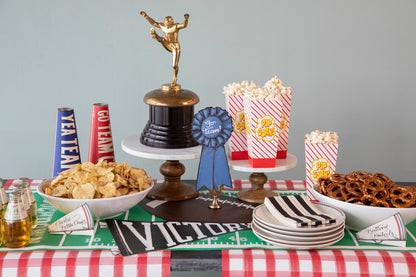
[170, 119]
[169, 127]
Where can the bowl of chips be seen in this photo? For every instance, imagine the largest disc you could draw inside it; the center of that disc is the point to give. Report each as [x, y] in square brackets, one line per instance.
[108, 189]
[359, 215]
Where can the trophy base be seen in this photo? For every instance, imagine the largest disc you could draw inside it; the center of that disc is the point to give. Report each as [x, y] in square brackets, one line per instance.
[169, 127]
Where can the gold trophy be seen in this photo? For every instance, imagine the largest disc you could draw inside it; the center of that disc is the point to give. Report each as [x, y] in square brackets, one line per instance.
[171, 107]
[171, 111]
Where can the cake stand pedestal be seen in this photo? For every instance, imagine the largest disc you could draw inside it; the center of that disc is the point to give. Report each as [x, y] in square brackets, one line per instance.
[258, 178]
[172, 189]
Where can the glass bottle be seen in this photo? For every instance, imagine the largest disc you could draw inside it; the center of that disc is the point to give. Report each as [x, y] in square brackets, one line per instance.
[4, 200]
[16, 222]
[32, 202]
[25, 200]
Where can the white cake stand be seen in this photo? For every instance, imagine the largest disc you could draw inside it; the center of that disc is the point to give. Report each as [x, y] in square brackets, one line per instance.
[172, 189]
[257, 193]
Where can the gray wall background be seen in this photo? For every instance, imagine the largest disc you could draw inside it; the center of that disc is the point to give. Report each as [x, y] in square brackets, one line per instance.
[351, 65]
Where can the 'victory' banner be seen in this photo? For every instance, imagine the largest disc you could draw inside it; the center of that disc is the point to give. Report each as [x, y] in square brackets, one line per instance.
[134, 237]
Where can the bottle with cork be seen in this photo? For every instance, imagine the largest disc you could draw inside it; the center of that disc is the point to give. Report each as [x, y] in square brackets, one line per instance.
[31, 199]
[16, 222]
[20, 187]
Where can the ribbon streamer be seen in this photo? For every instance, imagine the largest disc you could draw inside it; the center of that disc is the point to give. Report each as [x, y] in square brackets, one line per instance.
[212, 127]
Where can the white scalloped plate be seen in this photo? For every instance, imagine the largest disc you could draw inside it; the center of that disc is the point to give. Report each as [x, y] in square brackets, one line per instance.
[297, 245]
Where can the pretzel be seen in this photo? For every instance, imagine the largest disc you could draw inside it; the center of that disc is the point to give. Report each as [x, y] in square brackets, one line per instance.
[338, 178]
[402, 197]
[364, 188]
[389, 183]
[376, 187]
[355, 188]
[337, 191]
[358, 175]
[371, 200]
[323, 183]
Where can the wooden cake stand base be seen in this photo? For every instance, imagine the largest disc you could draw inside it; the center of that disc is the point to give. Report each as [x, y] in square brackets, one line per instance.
[258, 178]
[172, 189]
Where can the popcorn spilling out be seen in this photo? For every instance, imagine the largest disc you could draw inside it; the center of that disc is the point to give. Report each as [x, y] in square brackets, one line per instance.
[321, 137]
[272, 90]
[239, 89]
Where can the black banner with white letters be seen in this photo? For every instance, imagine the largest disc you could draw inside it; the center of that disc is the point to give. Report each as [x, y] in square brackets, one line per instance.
[134, 237]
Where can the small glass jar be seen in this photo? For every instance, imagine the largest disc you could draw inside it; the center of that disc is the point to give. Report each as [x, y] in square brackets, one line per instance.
[16, 222]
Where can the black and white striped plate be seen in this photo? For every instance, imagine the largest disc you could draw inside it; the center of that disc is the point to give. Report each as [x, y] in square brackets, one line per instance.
[262, 215]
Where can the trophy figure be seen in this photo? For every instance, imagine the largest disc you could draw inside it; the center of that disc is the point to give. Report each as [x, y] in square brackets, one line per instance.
[171, 107]
[168, 132]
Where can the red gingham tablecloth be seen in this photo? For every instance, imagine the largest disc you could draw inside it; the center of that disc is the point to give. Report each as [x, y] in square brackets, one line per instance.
[83, 263]
[258, 262]
[248, 262]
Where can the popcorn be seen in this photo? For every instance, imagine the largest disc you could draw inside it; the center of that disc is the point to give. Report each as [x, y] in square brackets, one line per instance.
[321, 137]
[239, 89]
[275, 86]
[272, 91]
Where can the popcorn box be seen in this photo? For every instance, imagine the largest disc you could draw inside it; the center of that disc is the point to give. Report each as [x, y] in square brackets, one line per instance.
[237, 144]
[262, 123]
[284, 126]
[320, 160]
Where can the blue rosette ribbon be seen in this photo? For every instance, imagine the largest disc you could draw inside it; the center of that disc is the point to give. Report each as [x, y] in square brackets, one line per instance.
[212, 127]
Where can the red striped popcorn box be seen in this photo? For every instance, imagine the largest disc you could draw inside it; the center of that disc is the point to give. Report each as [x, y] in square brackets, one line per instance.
[284, 126]
[262, 123]
[320, 161]
[237, 144]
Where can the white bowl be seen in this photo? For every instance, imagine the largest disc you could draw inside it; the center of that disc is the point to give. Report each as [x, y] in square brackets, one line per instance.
[100, 208]
[359, 217]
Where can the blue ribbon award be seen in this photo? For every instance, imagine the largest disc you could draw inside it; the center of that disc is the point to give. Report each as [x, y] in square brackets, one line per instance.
[212, 127]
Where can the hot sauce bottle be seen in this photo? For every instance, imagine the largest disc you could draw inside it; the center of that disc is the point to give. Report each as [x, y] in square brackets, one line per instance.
[16, 222]
[32, 201]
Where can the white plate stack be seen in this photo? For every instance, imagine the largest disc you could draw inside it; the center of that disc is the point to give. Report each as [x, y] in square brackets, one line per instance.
[273, 227]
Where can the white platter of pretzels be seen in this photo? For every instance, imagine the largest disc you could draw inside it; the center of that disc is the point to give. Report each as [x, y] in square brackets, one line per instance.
[366, 198]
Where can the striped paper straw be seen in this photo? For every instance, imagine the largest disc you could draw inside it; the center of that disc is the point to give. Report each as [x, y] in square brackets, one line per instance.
[320, 160]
